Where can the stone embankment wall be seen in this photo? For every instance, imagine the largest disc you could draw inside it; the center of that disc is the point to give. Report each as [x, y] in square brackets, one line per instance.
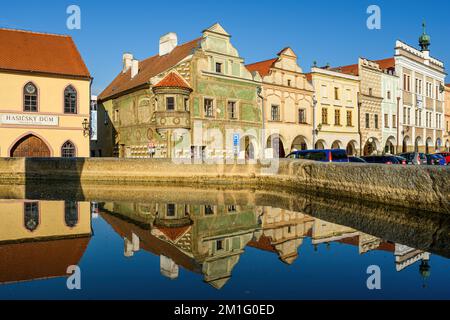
[421, 187]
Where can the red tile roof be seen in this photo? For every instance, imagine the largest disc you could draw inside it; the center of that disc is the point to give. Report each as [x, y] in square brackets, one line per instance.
[388, 63]
[262, 67]
[264, 243]
[40, 52]
[353, 69]
[148, 68]
[40, 260]
[172, 80]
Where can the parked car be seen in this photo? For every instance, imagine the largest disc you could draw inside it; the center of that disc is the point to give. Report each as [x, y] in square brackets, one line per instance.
[385, 159]
[402, 160]
[356, 160]
[436, 160]
[335, 155]
[415, 158]
[446, 155]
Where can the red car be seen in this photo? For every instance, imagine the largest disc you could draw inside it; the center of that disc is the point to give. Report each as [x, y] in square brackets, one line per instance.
[446, 155]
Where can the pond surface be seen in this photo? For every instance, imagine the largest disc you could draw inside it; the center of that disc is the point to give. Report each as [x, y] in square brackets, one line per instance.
[180, 243]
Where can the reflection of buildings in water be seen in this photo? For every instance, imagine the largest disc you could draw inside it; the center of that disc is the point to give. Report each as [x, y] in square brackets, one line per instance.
[52, 234]
[283, 232]
[207, 239]
[406, 256]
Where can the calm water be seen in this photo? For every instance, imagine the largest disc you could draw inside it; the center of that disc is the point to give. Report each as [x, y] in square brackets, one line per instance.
[169, 243]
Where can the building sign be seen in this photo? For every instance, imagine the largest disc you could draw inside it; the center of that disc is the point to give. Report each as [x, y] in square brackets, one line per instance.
[236, 143]
[29, 120]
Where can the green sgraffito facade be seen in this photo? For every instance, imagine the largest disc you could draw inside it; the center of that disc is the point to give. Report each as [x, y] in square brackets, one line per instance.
[216, 75]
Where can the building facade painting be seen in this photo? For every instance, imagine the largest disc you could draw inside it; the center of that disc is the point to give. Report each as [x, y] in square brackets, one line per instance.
[189, 100]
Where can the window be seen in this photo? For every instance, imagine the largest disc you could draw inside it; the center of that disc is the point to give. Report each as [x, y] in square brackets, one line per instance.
[419, 86]
[416, 117]
[420, 118]
[394, 121]
[406, 82]
[209, 108]
[232, 111]
[386, 120]
[219, 245]
[170, 210]
[337, 117]
[170, 103]
[68, 150]
[30, 98]
[209, 210]
[367, 121]
[349, 119]
[289, 83]
[376, 121]
[31, 216]
[404, 115]
[116, 115]
[71, 213]
[389, 95]
[409, 116]
[324, 116]
[275, 113]
[70, 100]
[186, 104]
[302, 116]
[370, 91]
[218, 67]
[231, 209]
[336, 94]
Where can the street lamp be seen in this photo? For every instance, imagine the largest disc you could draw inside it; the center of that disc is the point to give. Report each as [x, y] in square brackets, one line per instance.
[86, 128]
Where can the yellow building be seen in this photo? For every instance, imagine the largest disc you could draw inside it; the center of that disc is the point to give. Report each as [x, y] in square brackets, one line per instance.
[288, 102]
[336, 115]
[41, 239]
[45, 96]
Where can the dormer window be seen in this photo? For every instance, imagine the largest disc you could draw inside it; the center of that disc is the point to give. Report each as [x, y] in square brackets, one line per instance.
[219, 67]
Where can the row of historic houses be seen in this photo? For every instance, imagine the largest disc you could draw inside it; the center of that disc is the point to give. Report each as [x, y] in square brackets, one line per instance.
[200, 99]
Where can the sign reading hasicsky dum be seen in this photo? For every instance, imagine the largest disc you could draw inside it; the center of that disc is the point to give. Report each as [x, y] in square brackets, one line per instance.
[29, 120]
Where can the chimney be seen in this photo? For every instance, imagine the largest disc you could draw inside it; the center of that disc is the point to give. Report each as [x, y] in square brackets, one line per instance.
[126, 60]
[134, 68]
[167, 43]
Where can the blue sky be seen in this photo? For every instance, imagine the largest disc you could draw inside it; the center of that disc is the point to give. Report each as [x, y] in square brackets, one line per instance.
[327, 31]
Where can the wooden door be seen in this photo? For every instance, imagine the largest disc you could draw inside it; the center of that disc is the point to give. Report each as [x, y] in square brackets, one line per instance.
[30, 147]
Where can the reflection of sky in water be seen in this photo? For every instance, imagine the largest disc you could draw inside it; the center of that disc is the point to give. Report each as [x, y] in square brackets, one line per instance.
[334, 270]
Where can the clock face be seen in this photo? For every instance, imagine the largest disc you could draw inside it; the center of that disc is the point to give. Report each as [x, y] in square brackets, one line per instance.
[30, 88]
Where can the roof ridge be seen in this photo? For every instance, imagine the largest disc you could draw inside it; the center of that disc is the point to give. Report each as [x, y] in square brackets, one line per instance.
[36, 32]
